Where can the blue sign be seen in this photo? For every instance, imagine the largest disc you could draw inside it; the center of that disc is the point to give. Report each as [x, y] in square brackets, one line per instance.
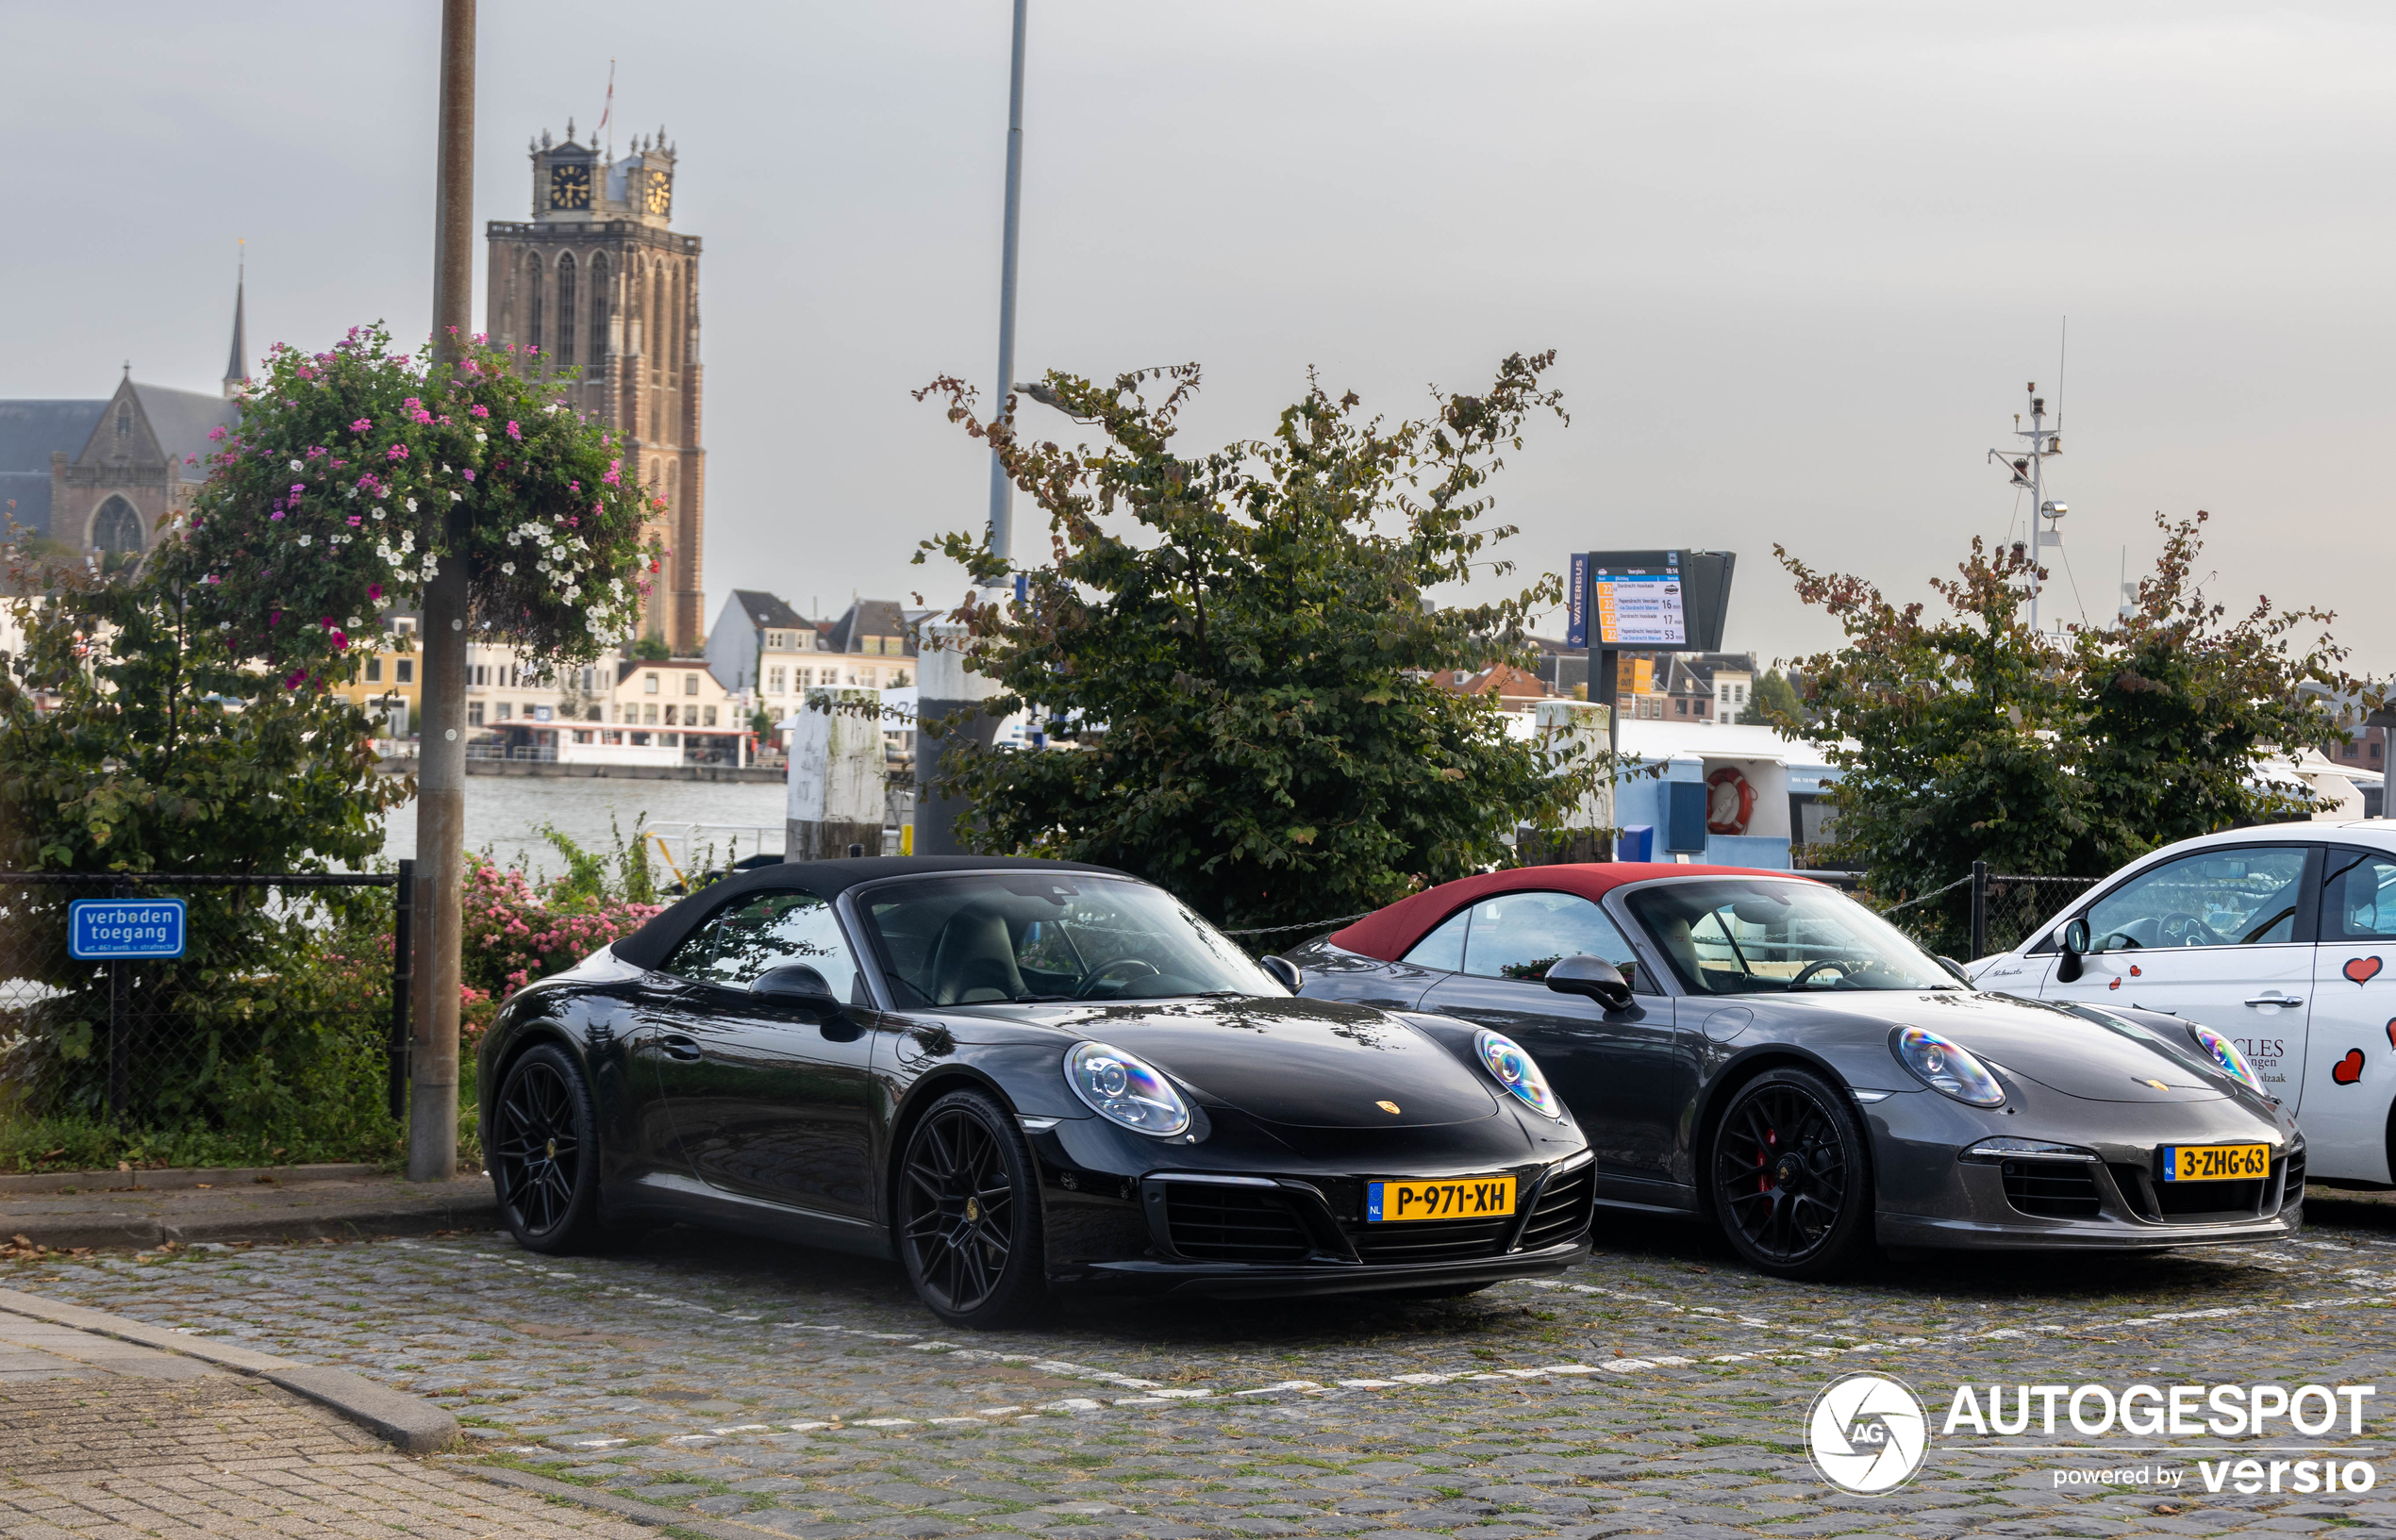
[1576, 603]
[125, 928]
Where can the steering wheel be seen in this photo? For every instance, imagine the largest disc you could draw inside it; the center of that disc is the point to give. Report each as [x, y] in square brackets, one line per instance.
[1811, 969]
[1090, 984]
[2191, 931]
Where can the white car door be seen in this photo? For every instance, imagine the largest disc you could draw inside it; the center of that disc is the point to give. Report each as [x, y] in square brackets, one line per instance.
[2350, 1071]
[2222, 937]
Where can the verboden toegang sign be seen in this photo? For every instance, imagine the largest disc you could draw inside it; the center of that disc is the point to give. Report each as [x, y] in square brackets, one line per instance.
[107, 927]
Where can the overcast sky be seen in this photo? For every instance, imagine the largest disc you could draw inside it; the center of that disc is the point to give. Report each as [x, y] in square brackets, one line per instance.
[1798, 261]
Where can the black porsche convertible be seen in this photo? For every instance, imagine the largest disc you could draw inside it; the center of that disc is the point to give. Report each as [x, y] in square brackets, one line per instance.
[1015, 1074]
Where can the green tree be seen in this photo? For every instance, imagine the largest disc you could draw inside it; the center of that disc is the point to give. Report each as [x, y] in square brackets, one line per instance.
[1242, 644]
[132, 740]
[1965, 737]
[1773, 699]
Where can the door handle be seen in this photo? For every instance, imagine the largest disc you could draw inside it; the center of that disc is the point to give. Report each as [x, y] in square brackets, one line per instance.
[679, 1047]
[2277, 1000]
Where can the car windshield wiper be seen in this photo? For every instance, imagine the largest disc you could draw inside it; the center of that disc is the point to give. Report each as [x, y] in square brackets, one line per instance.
[1041, 1000]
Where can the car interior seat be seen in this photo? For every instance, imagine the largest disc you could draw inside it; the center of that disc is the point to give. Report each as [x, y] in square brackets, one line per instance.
[973, 960]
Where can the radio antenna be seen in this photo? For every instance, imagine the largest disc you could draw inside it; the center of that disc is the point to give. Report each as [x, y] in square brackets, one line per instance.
[2062, 354]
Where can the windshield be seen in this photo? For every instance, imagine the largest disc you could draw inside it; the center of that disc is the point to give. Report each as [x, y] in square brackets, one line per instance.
[1738, 936]
[984, 937]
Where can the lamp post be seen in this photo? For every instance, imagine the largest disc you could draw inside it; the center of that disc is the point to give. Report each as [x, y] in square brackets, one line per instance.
[441, 765]
[944, 687]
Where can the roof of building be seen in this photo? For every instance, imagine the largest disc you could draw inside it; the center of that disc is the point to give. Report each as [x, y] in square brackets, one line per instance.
[182, 420]
[871, 618]
[1389, 934]
[1502, 679]
[626, 668]
[765, 610]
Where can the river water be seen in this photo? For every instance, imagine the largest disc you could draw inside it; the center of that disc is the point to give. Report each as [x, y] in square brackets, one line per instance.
[503, 815]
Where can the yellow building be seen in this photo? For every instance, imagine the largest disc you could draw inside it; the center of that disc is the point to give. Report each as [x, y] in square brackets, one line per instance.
[385, 684]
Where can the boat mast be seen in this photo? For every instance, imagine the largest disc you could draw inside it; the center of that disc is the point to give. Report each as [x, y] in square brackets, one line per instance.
[2029, 471]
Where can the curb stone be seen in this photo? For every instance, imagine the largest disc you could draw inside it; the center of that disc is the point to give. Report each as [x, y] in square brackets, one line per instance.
[353, 1224]
[632, 1508]
[408, 1423]
[175, 1178]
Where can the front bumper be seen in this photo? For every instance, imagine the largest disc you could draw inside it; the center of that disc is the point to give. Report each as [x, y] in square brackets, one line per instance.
[1260, 1281]
[1930, 1198]
[1277, 1227]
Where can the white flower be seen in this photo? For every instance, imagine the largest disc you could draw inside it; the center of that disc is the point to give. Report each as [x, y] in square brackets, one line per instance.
[354, 622]
[515, 539]
[303, 539]
[350, 491]
[508, 567]
[447, 472]
[378, 513]
[382, 491]
[297, 466]
[457, 497]
[482, 438]
[411, 506]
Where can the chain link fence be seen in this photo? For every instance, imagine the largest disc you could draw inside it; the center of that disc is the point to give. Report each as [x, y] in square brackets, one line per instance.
[287, 1009]
[1983, 911]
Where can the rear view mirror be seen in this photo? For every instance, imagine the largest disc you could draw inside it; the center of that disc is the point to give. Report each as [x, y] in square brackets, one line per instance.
[1284, 972]
[2075, 943]
[1593, 977]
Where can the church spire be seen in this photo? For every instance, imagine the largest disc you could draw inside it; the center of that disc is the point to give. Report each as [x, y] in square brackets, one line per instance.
[237, 369]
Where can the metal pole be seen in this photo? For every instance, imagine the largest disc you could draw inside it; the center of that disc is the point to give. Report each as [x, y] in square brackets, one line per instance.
[402, 971]
[2037, 502]
[119, 992]
[440, 770]
[1002, 490]
[1979, 909]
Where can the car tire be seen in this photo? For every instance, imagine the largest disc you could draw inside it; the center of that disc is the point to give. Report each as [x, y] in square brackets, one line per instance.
[544, 1153]
[1788, 1176]
[966, 1215]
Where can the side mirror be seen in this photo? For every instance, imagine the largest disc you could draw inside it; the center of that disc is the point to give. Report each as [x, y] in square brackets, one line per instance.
[796, 983]
[1593, 977]
[1284, 972]
[1963, 974]
[2075, 943]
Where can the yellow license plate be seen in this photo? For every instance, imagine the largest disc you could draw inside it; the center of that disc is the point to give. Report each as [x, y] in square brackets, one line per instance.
[1476, 1197]
[2214, 1162]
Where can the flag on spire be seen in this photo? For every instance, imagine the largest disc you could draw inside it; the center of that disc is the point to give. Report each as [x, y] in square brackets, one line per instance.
[608, 111]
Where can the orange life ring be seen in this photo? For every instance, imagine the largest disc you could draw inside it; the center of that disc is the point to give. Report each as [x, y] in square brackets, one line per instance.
[1722, 787]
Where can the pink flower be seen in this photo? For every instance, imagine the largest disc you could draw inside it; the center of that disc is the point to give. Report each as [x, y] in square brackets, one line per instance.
[396, 451]
[295, 680]
[469, 475]
[374, 591]
[274, 617]
[478, 410]
[355, 520]
[513, 431]
[340, 642]
[215, 433]
[364, 424]
[276, 517]
[298, 486]
[574, 486]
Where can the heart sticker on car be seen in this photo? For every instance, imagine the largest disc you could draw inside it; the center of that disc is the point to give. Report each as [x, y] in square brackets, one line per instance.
[2134, 971]
[2362, 969]
[2392, 1034]
[2115, 984]
[2349, 1069]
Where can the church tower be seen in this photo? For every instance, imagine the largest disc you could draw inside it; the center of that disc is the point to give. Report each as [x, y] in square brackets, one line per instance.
[597, 288]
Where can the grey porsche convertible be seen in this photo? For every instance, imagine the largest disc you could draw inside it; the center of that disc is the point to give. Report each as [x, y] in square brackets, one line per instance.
[1758, 1050]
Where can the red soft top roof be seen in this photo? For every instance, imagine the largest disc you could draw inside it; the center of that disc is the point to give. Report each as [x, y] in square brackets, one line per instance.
[1389, 934]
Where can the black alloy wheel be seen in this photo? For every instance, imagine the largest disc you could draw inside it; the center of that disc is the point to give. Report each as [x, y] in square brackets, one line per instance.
[544, 1152]
[1791, 1182]
[968, 1217]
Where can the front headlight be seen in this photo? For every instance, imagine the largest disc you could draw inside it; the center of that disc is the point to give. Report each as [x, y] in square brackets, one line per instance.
[2224, 1052]
[1947, 1067]
[1516, 1072]
[1124, 1090]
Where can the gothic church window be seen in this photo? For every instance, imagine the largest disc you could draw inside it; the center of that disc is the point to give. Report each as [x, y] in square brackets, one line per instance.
[532, 306]
[657, 309]
[600, 305]
[124, 420]
[116, 527]
[673, 337]
[566, 311]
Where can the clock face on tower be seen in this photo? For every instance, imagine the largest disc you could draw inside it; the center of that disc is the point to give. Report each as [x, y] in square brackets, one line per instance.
[570, 186]
[660, 196]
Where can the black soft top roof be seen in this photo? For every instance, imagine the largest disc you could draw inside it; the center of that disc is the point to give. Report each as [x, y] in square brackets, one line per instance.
[650, 945]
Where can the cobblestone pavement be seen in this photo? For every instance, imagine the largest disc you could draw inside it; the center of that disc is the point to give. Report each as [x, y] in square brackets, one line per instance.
[1660, 1387]
[100, 1437]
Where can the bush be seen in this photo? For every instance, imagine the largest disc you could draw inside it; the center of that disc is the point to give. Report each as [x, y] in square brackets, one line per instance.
[517, 932]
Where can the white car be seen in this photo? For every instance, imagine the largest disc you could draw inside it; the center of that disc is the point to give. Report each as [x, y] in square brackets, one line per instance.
[2281, 939]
